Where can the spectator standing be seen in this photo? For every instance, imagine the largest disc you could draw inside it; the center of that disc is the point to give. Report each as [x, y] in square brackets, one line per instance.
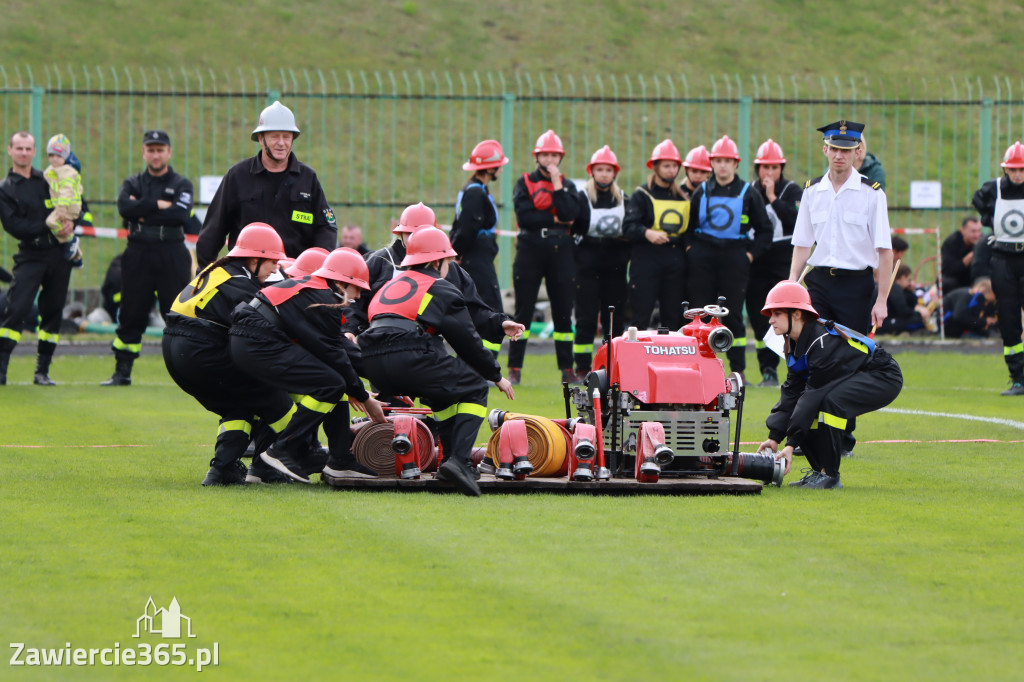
[729, 228]
[958, 254]
[1000, 203]
[352, 238]
[39, 266]
[155, 206]
[780, 198]
[546, 207]
[867, 164]
[602, 257]
[272, 187]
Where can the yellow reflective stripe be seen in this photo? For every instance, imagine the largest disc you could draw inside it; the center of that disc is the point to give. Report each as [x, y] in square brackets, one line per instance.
[87, 216]
[427, 298]
[235, 425]
[6, 333]
[1013, 350]
[130, 347]
[492, 346]
[117, 297]
[278, 426]
[300, 217]
[48, 204]
[525, 335]
[832, 420]
[580, 348]
[744, 219]
[758, 345]
[739, 342]
[315, 405]
[46, 336]
[461, 408]
[562, 336]
[858, 345]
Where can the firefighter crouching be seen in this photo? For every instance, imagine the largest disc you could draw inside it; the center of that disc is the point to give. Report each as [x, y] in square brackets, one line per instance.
[404, 354]
[289, 336]
[834, 375]
[195, 347]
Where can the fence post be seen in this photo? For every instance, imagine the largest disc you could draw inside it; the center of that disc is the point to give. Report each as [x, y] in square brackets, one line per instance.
[36, 122]
[507, 220]
[272, 96]
[744, 132]
[985, 142]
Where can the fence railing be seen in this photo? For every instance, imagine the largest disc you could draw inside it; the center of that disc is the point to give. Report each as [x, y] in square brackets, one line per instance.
[382, 140]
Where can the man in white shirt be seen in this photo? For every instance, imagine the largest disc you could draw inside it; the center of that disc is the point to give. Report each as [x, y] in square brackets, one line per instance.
[844, 214]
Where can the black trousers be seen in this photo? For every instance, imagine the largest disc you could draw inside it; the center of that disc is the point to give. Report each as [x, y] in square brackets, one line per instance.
[846, 299]
[446, 384]
[722, 271]
[863, 392]
[479, 263]
[47, 272]
[600, 283]
[148, 270]
[765, 272]
[550, 260]
[203, 369]
[657, 274]
[1008, 286]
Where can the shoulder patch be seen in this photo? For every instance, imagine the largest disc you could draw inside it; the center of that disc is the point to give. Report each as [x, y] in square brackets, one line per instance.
[874, 185]
[813, 181]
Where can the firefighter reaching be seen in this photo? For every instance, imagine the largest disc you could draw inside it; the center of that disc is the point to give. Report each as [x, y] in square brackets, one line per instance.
[835, 374]
[403, 351]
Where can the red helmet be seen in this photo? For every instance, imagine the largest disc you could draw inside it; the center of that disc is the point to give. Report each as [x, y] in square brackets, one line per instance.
[1014, 156]
[664, 151]
[604, 155]
[415, 217]
[788, 294]
[345, 265]
[258, 240]
[725, 148]
[698, 159]
[487, 154]
[426, 245]
[549, 142]
[769, 153]
[307, 263]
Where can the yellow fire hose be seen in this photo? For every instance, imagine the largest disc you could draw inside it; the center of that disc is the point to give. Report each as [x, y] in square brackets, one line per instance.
[549, 444]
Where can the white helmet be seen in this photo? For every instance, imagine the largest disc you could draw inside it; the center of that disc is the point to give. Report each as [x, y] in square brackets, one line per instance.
[276, 117]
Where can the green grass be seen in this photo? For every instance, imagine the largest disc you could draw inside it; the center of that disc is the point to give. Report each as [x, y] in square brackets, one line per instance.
[911, 572]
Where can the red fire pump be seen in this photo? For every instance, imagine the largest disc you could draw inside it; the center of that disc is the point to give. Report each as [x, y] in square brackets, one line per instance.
[660, 405]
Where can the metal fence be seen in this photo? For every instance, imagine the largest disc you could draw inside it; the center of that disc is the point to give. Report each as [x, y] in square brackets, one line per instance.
[382, 140]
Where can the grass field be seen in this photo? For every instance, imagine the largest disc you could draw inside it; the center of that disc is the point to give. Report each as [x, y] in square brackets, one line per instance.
[911, 572]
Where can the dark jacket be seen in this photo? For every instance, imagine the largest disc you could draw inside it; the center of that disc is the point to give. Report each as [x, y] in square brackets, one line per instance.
[473, 215]
[531, 219]
[24, 205]
[787, 196]
[147, 190]
[292, 202]
[872, 169]
[966, 313]
[215, 314]
[954, 273]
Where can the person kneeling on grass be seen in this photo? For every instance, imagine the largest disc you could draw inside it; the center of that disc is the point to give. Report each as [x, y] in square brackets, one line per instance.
[404, 354]
[834, 375]
[289, 336]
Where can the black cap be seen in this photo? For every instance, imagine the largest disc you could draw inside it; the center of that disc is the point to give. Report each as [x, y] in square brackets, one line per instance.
[842, 134]
[156, 137]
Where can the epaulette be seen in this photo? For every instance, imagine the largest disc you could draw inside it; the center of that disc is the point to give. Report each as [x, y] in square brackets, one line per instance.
[874, 185]
[813, 181]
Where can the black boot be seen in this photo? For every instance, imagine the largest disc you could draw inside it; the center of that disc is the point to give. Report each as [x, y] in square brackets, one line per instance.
[5, 360]
[42, 375]
[122, 371]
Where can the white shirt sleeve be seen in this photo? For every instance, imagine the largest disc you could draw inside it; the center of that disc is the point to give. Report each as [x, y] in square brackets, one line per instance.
[880, 221]
[803, 233]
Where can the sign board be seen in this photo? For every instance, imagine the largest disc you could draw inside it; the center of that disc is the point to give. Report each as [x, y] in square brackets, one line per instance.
[208, 185]
[925, 194]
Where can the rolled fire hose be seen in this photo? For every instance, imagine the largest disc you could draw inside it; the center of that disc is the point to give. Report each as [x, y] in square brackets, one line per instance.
[372, 447]
[548, 445]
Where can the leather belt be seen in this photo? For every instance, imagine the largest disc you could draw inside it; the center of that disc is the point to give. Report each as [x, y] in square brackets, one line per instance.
[402, 323]
[1008, 247]
[156, 233]
[840, 272]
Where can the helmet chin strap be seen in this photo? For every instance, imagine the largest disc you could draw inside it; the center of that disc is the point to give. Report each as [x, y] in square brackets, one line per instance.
[603, 185]
[266, 149]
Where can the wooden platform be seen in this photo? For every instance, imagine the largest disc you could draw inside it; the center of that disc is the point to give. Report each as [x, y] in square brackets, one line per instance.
[489, 485]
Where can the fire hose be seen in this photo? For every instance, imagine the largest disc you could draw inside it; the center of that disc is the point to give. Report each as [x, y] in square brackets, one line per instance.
[372, 447]
[549, 443]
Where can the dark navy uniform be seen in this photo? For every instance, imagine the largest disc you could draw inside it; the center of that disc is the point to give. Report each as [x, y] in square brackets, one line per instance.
[474, 236]
[292, 202]
[411, 317]
[195, 347]
[726, 223]
[602, 258]
[39, 266]
[658, 271]
[544, 251]
[833, 377]
[1001, 205]
[289, 336]
[155, 260]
